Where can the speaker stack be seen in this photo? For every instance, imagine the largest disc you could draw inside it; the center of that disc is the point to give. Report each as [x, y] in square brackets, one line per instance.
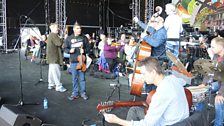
[13, 116]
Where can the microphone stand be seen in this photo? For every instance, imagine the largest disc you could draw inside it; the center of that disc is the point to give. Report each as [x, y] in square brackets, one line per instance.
[21, 101]
[41, 71]
[40, 51]
[116, 86]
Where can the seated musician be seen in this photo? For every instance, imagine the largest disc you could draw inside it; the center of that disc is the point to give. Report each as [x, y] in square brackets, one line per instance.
[157, 37]
[36, 48]
[166, 108]
[217, 50]
[101, 44]
[129, 50]
[122, 41]
[110, 53]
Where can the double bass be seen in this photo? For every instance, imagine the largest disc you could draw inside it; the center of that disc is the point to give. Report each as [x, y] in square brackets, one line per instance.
[143, 50]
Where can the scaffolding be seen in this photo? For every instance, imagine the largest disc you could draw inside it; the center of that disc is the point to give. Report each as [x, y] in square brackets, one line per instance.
[3, 26]
[60, 10]
[149, 9]
[47, 15]
[142, 13]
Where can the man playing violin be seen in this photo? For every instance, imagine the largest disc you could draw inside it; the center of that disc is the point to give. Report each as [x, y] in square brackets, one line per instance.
[72, 45]
[165, 108]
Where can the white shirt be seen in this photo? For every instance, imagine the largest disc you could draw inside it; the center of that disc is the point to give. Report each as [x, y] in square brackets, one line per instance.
[101, 46]
[173, 26]
[129, 50]
[168, 105]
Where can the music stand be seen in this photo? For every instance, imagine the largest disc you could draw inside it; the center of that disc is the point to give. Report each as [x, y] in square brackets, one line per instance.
[21, 101]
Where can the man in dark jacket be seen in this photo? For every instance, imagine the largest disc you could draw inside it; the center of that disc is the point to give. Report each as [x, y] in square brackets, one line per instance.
[54, 58]
[75, 45]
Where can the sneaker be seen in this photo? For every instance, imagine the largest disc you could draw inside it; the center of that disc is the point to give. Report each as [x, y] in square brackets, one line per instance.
[62, 89]
[85, 97]
[51, 87]
[72, 97]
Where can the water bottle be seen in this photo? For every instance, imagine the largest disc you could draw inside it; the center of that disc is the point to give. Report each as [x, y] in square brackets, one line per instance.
[45, 103]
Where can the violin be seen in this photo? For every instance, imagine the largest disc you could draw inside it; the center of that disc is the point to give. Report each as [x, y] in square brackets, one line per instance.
[115, 44]
[81, 65]
[133, 44]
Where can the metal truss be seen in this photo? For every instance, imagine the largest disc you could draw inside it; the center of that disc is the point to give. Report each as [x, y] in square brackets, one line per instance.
[149, 9]
[60, 10]
[137, 9]
[47, 15]
[3, 25]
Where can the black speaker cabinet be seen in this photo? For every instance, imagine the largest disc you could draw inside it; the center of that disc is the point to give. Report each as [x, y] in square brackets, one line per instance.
[13, 116]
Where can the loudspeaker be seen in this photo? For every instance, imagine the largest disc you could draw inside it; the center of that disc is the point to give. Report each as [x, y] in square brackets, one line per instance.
[13, 116]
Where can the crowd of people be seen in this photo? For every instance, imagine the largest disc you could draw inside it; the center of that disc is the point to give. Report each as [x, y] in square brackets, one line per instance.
[163, 34]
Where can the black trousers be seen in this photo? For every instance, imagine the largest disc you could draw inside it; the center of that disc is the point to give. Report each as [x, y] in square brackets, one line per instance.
[113, 62]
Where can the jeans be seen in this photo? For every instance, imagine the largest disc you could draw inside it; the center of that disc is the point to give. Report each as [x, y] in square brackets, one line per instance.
[219, 114]
[173, 48]
[78, 77]
[135, 114]
[215, 87]
[219, 107]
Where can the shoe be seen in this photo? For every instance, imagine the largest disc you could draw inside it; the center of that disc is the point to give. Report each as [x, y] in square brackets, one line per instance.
[85, 97]
[51, 87]
[72, 97]
[62, 89]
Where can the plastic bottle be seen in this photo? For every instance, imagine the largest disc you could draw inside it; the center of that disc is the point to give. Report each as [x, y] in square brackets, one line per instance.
[45, 104]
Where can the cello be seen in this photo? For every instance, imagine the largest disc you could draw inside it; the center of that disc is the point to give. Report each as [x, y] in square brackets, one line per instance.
[81, 58]
[143, 50]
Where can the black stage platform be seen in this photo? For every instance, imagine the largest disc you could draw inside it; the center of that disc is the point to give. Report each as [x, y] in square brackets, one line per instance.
[61, 112]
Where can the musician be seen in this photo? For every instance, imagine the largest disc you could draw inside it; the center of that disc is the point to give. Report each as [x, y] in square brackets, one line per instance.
[101, 43]
[54, 59]
[165, 108]
[72, 45]
[35, 48]
[111, 52]
[122, 41]
[129, 50]
[173, 25]
[157, 37]
[217, 53]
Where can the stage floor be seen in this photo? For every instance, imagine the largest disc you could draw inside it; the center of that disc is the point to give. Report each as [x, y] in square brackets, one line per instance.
[61, 111]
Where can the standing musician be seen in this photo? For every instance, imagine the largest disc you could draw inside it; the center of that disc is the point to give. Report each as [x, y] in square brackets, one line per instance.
[173, 25]
[54, 59]
[73, 45]
[157, 37]
[217, 50]
[165, 108]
